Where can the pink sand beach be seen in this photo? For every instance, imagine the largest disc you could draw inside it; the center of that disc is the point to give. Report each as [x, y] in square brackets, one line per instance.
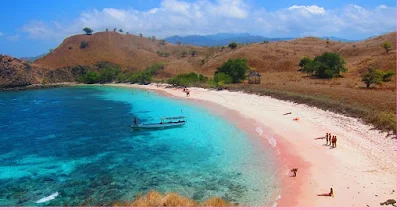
[361, 169]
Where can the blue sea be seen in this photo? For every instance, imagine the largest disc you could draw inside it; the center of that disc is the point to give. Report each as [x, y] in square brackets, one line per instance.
[76, 141]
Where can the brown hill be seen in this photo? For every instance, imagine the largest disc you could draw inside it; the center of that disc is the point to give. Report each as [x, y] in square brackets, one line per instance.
[129, 51]
[15, 72]
[133, 52]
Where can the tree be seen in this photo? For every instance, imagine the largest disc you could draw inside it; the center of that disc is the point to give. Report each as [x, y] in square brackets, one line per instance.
[163, 42]
[304, 61]
[327, 65]
[193, 53]
[88, 31]
[373, 76]
[115, 29]
[84, 44]
[178, 42]
[235, 68]
[106, 29]
[153, 38]
[140, 34]
[233, 45]
[51, 50]
[120, 30]
[387, 45]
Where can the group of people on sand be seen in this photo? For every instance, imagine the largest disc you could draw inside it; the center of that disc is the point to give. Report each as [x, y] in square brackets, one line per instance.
[187, 91]
[331, 140]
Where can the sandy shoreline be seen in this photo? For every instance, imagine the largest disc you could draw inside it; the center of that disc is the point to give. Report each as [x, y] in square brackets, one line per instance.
[361, 170]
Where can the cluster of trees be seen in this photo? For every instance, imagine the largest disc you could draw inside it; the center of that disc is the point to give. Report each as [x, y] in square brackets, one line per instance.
[141, 77]
[232, 71]
[375, 76]
[187, 79]
[327, 65]
[106, 72]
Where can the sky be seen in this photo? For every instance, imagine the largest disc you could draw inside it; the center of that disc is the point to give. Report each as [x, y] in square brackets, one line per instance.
[32, 27]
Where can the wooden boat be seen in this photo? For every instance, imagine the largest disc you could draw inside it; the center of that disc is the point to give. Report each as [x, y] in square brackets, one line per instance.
[166, 122]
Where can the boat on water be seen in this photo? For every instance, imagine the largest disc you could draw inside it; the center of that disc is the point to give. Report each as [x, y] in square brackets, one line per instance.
[166, 122]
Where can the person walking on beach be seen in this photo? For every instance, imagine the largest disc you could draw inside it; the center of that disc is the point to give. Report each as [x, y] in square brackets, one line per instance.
[187, 92]
[330, 139]
[294, 170]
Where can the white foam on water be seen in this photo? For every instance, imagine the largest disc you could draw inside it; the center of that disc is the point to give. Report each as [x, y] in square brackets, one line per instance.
[271, 141]
[276, 201]
[48, 198]
[259, 130]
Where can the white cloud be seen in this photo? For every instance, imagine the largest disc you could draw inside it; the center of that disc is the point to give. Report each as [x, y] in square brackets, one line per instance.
[1, 34]
[13, 38]
[313, 9]
[178, 17]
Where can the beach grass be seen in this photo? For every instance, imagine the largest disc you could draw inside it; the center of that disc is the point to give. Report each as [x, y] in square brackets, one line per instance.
[380, 115]
[157, 199]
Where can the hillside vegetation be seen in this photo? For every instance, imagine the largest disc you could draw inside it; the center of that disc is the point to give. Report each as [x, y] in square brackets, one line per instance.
[277, 62]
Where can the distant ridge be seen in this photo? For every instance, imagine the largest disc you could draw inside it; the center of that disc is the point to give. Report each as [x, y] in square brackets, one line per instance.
[222, 39]
[33, 59]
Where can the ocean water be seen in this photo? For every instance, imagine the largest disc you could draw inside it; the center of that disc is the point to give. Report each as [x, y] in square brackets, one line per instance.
[76, 141]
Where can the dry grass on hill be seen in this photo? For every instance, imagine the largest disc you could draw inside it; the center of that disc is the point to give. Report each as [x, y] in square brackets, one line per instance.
[276, 61]
[156, 199]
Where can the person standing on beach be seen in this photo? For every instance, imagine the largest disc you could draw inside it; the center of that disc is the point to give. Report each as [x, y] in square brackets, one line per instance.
[326, 136]
[331, 193]
[334, 142]
[330, 139]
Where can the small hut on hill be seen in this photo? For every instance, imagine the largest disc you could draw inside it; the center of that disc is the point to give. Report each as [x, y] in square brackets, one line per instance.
[254, 77]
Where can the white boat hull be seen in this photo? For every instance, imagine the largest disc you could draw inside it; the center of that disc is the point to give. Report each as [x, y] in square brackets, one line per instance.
[158, 125]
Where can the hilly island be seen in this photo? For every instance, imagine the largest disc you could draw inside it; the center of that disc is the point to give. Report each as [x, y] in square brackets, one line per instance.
[277, 62]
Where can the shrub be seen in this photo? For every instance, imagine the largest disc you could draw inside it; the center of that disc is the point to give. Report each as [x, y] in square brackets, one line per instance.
[187, 79]
[387, 45]
[387, 76]
[222, 78]
[235, 68]
[233, 45]
[84, 44]
[373, 76]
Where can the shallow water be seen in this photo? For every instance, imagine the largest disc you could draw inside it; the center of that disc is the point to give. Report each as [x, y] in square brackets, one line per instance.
[76, 141]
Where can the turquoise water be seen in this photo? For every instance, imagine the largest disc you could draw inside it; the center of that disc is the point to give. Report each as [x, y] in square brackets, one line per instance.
[76, 141]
